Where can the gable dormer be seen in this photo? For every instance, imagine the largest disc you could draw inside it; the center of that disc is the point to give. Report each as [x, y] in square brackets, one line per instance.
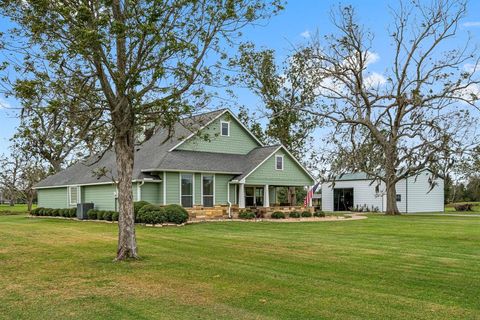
[224, 134]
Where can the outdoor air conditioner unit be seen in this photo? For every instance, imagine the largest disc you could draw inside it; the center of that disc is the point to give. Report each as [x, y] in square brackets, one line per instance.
[82, 209]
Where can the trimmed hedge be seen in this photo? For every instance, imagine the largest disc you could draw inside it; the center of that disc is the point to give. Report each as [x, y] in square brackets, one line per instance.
[152, 214]
[67, 212]
[138, 205]
[319, 214]
[247, 215]
[278, 215]
[294, 214]
[176, 214]
[148, 213]
[306, 214]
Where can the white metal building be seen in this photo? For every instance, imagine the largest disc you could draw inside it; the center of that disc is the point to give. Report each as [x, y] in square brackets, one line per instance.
[414, 194]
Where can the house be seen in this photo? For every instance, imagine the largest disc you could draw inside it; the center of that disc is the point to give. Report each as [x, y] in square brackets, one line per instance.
[414, 194]
[211, 164]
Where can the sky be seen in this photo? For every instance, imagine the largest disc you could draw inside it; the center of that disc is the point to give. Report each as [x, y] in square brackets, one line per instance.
[294, 25]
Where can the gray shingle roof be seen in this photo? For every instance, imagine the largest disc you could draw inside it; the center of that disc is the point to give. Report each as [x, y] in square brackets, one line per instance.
[154, 155]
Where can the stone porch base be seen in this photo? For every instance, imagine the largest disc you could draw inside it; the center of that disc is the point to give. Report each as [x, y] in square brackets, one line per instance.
[221, 211]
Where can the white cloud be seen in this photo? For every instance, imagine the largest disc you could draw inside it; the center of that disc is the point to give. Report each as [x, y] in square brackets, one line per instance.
[471, 24]
[471, 67]
[375, 79]
[372, 57]
[470, 93]
[305, 34]
[4, 104]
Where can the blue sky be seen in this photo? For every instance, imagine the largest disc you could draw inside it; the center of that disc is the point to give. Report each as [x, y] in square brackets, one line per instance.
[292, 26]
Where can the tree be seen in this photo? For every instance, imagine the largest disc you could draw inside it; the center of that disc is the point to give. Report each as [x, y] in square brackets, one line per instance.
[395, 124]
[20, 172]
[149, 60]
[284, 93]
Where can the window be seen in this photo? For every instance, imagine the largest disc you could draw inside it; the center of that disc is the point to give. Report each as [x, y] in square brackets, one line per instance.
[225, 128]
[279, 162]
[207, 190]
[249, 196]
[186, 189]
[73, 195]
[399, 197]
[259, 197]
[253, 196]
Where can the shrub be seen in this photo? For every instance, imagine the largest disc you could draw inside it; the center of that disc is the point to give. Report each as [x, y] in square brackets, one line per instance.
[115, 216]
[72, 212]
[152, 214]
[36, 211]
[319, 214]
[100, 214]
[107, 215]
[463, 207]
[294, 214]
[92, 214]
[306, 214]
[50, 212]
[65, 213]
[56, 212]
[138, 205]
[176, 214]
[278, 215]
[247, 215]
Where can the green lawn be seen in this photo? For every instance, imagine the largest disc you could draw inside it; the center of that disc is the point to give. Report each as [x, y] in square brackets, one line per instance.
[406, 267]
[18, 208]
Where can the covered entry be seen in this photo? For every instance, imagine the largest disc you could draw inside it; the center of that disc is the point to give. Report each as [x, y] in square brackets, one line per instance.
[342, 199]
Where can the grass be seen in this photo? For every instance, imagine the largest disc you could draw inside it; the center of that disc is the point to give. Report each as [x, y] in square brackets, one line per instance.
[405, 267]
[16, 209]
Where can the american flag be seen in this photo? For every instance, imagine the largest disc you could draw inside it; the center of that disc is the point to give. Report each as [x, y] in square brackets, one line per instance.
[310, 195]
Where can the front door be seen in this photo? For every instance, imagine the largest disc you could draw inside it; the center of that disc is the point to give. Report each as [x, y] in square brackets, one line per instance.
[342, 199]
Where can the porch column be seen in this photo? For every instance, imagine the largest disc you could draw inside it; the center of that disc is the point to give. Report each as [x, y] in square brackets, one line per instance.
[241, 196]
[266, 196]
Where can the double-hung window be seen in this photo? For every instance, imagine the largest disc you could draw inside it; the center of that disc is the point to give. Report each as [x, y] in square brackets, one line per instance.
[225, 128]
[73, 195]
[208, 183]
[279, 162]
[186, 189]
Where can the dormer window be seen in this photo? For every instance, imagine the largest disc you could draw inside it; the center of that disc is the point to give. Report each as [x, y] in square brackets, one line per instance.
[279, 162]
[225, 128]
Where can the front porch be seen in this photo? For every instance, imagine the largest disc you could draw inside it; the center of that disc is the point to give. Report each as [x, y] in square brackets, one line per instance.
[270, 196]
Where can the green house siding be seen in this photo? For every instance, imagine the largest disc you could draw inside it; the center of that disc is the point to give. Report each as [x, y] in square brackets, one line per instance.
[198, 189]
[291, 175]
[233, 194]
[53, 198]
[239, 141]
[152, 192]
[173, 188]
[102, 196]
[221, 188]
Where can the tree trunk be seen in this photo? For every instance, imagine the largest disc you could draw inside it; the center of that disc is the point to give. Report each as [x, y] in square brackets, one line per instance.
[390, 180]
[124, 149]
[391, 199]
[29, 202]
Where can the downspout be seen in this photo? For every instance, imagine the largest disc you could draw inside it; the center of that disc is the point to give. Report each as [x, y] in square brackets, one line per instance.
[228, 201]
[406, 194]
[139, 190]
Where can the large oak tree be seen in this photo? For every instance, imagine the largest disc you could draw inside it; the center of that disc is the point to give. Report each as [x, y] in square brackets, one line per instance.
[408, 118]
[150, 59]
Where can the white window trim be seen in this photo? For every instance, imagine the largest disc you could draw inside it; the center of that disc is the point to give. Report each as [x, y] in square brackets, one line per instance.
[221, 127]
[180, 187]
[201, 188]
[283, 164]
[69, 195]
